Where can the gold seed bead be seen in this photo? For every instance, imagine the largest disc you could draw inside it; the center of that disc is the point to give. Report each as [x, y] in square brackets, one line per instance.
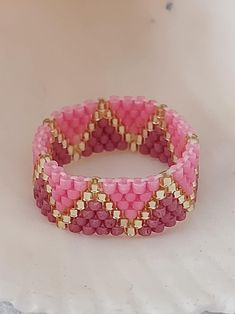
[86, 136]
[109, 206]
[156, 119]
[101, 197]
[116, 214]
[56, 213]
[186, 204]
[181, 199]
[152, 204]
[166, 181]
[177, 194]
[82, 146]
[76, 156]
[91, 127]
[87, 196]
[97, 116]
[109, 114]
[60, 138]
[80, 204]
[167, 136]
[150, 126]
[172, 188]
[48, 188]
[128, 137]
[131, 231]
[138, 223]
[70, 150]
[52, 201]
[66, 219]
[171, 147]
[133, 147]
[124, 222]
[115, 122]
[61, 224]
[145, 133]
[64, 143]
[145, 215]
[121, 129]
[45, 177]
[139, 139]
[160, 194]
[73, 213]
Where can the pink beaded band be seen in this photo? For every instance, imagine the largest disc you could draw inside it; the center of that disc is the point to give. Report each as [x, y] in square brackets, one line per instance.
[115, 206]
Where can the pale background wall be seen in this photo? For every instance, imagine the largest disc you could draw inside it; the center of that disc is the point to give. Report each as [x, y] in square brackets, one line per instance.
[54, 53]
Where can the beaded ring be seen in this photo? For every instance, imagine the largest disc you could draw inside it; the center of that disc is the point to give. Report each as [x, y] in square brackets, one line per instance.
[122, 205]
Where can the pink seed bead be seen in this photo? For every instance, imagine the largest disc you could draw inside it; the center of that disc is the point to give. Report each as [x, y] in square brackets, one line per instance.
[153, 153]
[163, 158]
[87, 230]
[116, 138]
[94, 205]
[104, 139]
[103, 123]
[144, 149]
[122, 145]
[102, 214]
[109, 223]
[152, 223]
[97, 132]
[173, 206]
[109, 146]
[181, 216]
[75, 228]
[98, 148]
[94, 223]
[109, 129]
[102, 230]
[144, 231]
[116, 231]
[81, 221]
[158, 147]
[88, 214]
[88, 151]
[167, 201]
[123, 205]
[159, 228]
[159, 212]
[51, 218]
[92, 141]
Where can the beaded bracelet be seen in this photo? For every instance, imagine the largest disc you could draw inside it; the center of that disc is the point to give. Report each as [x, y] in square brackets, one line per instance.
[122, 205]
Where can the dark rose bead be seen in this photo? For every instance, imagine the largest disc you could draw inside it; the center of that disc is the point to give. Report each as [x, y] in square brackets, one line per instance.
[144, 231]
[75, 228]
[102, 230]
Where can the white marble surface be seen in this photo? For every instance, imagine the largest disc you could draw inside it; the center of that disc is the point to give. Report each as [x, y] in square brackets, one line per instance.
[60, 52]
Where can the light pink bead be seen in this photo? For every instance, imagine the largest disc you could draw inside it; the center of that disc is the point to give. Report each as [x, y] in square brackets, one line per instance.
[79, 184]
[139, 186]
[116, 197]
[66, 202]
[109, 186]
[131, 214]
[145, 197]
[153, 183]
[73, 194]
[130, 197]
[66, 182]
[124, 185]
[138, 205]
[123, 205]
